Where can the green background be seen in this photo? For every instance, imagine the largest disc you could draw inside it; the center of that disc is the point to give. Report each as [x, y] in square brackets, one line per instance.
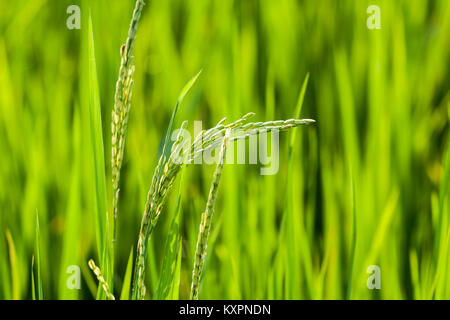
[378, 151]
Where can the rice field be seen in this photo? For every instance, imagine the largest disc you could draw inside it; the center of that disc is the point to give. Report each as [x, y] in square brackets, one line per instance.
[96, 204]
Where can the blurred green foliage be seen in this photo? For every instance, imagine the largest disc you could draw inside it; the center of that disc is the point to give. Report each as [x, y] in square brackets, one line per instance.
[374, 169]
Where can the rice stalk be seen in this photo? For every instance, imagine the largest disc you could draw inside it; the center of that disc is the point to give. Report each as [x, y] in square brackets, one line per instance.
[15, 277]
[119, 123]
[169, 166]
[100, 279]
[153, 198]
[205, 224]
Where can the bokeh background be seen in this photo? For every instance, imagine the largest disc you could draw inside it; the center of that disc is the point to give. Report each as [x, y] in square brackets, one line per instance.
[378, 151]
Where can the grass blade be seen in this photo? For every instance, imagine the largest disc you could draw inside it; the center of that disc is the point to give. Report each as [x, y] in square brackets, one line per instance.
[15, 279]
[70, 243]
[38, 258]
[297, 246]
[298, 108]
[33, 289]
[125, 294]
[442, 232]
[169, 265]
[353, 249]
[177, 275]
[96, 135]
[183, 93]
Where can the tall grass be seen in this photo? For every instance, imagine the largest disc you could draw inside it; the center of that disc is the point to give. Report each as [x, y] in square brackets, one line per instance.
[165, 173]
[368, 185]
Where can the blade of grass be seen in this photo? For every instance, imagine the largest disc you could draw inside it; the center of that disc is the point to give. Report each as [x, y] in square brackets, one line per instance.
[414, 263]
[177, 274]
[4, 270]
[15, 279]
[443, 225]
[297, 246]
[33, 289]
[70, 244]
[437, 287]
[443, 233]
[298, 108]
[168, 271]
[125, 294]
[38, 258]
[347, 108]
[382, 230]
[353, 248]
[96, 136]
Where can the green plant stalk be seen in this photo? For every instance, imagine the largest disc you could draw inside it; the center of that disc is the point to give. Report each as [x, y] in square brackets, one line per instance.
[15, 279]
[205, 224]
[96, 140]
[33, 288]
[162, 182]
[38, 258]
[168, 168]
[120, 113]
[125, 294]
[353, 247]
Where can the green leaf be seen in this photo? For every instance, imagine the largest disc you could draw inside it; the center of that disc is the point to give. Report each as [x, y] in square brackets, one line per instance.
[125, 294]
[298, 107]
[442, 237]
[15, 279]
[73, 218]
[187, 87]
[33, 289]
[177, 275]
[298, 252]
[169, 129]
[96, 135]
[183, 93]
[38, 258]
[170, 260]
[353, 249]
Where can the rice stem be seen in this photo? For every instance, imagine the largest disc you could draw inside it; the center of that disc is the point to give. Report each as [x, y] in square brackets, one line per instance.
[205, 224]
[120, 113]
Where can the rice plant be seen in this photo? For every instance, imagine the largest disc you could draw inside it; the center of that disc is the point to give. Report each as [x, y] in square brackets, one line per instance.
[122, 102]
[205, 225]
[167, 169]
[92, 167]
